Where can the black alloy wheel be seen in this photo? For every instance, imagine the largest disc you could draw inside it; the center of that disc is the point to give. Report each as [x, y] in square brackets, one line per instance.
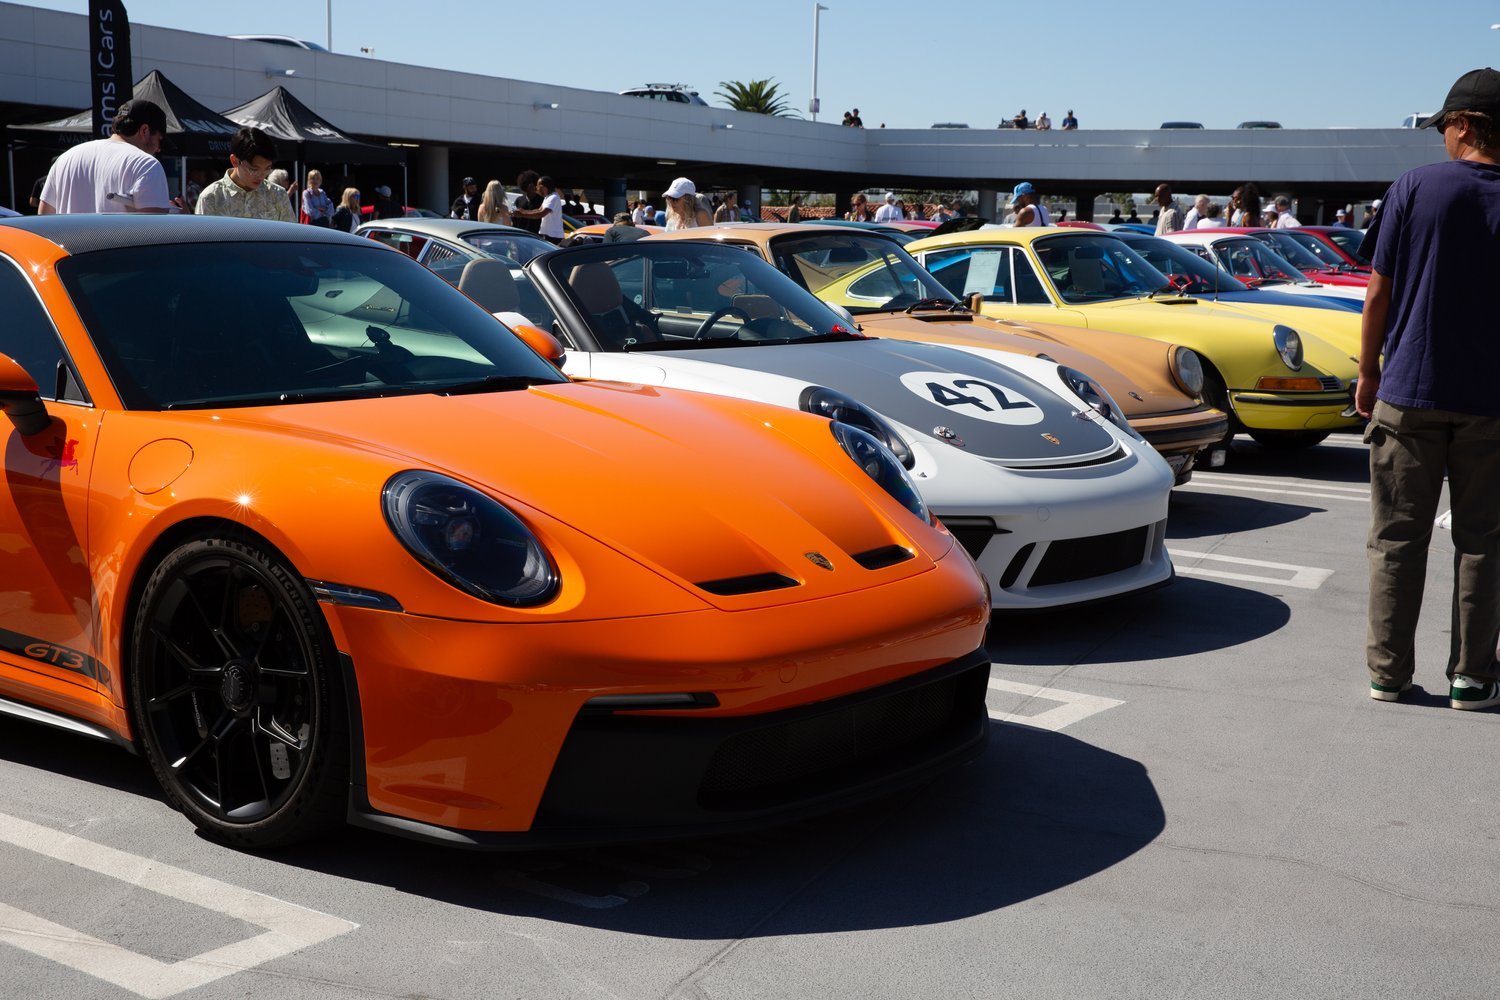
[234, 694]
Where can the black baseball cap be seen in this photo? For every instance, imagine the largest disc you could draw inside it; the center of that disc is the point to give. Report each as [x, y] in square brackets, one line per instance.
[1476, 90]
[470, 181]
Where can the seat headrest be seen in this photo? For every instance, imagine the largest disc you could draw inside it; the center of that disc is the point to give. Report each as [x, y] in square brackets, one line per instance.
[489, 283]
[596, 287]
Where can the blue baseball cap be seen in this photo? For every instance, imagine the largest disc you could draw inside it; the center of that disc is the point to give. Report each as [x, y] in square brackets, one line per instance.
[1023, 188]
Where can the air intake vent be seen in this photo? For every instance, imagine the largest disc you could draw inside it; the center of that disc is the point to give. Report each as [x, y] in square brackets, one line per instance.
[886, 555]
[973, 533]
[1330, 383]
[754, 583]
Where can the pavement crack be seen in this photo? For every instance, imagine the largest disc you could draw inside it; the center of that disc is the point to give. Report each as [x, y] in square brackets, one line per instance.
[1331, 870]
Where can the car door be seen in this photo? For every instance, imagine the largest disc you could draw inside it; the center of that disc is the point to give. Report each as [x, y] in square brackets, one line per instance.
[46, 591]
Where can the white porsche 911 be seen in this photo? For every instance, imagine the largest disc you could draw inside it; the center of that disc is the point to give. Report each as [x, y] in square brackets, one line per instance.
[1028, 463]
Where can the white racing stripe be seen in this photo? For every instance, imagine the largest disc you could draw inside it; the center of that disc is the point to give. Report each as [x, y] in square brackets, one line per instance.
[288, 927]
[1288, 574]
[1074, 707]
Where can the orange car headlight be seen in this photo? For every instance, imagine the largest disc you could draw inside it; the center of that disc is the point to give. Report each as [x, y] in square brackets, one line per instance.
[469, 539]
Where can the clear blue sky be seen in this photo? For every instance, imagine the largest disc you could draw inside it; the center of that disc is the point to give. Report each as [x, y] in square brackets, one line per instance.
[1117, 64]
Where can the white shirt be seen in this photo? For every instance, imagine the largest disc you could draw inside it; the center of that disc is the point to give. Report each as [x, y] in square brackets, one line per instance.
[889, 212]
[1192, 219]
[1286, 220]
[638, 216]
[83, 178]
[552, 224]
[1209, 223]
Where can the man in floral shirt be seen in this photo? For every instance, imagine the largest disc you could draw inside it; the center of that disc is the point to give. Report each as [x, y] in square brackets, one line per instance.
[243, 192]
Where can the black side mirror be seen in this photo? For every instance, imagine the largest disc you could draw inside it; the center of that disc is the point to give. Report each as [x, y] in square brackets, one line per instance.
[20, 400]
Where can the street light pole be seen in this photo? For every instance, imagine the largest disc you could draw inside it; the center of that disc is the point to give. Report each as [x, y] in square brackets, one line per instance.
[812, 105]
[328, 12]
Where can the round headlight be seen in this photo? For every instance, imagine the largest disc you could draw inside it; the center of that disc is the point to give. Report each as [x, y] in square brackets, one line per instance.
[1187, 370]
[880, 465]
[1288, 345]
[468, 539]
[1095, 397]
[835, 405]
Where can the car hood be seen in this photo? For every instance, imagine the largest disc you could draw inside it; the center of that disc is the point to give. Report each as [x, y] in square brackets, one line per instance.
[1134, 370]
[698, 488]
[1001, 415]
[1326, 340]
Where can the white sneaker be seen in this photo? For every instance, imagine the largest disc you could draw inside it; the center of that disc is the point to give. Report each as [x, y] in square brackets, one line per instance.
[1468, 693]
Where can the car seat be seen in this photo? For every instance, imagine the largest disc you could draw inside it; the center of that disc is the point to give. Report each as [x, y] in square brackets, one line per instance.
[615, 320]
[489, 283]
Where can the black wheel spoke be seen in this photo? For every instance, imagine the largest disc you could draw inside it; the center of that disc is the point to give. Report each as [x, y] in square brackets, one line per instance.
[161, 701]
[276, 731]
[186, 660]
[283, 672]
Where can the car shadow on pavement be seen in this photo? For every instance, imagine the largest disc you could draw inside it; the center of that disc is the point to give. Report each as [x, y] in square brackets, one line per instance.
[1186, 618]
[1333, 463]
[1036, 812]
[1201, 515]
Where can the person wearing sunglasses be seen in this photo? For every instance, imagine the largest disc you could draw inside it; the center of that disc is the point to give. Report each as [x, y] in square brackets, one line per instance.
[244, 192]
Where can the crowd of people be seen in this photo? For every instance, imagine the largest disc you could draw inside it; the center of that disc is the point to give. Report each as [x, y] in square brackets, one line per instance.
[1042, 124]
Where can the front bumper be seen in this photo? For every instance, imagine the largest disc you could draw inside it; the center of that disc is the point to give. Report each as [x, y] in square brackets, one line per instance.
[624, 776]
[1292, 411]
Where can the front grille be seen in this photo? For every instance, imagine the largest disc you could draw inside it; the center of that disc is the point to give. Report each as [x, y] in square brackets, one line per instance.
[1070, 559]
[973, 533]
[843, 746]
[754, 583]
[1330, 383]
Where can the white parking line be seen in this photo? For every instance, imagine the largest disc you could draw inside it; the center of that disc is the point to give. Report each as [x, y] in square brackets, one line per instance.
[1075, 707]
[1301, 577]
[289, 927]
[1362, 489]
[1243, 484]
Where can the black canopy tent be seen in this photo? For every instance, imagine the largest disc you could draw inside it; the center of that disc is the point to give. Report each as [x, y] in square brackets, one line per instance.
[192, 128]
[284, 118]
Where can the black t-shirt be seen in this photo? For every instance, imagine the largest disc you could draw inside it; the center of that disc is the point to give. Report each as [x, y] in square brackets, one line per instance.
[461, 209]
[532, 224]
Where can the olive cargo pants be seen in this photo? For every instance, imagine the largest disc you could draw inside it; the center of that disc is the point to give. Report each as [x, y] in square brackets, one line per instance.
[1409, 451]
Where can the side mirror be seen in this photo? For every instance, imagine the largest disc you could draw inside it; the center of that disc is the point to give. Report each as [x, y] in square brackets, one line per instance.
[542, 342]
[20, 400]
[975, 302]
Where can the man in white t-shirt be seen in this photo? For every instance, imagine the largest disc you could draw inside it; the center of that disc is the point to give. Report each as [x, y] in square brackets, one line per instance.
[889, 212]
[118, 174]
[1284, 217]
[552, 213]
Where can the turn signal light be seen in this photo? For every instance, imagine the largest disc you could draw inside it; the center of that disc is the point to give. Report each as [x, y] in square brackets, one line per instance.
[1268, 383]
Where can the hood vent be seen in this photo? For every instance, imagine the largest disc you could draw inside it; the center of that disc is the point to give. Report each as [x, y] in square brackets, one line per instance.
[754, 583]
[886, 555]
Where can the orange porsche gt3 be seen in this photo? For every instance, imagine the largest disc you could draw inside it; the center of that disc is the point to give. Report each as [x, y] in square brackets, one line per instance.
[427, 584]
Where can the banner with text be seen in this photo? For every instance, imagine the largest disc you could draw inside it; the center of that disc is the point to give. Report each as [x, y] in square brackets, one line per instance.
[109, 62]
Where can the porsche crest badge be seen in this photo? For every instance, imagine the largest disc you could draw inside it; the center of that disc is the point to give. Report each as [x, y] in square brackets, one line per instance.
[1052, 438]
[818, 559]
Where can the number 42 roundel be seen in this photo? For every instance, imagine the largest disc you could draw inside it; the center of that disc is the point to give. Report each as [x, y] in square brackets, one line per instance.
[975, 398]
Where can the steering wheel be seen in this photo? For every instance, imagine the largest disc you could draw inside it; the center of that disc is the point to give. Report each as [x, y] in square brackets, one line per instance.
[715, 316]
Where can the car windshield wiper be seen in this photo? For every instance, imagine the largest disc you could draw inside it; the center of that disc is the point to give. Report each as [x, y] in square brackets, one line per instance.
[934, 302]
[298, 396]
[492, 383]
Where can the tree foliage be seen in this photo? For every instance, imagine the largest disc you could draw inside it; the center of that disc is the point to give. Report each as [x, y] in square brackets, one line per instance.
[762, 97]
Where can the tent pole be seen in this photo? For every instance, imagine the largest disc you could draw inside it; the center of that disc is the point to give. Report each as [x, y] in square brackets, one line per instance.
[182, 181]
[405, 194]
[10, 162]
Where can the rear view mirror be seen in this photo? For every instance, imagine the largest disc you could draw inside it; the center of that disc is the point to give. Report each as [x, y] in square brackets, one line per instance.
[976, 301]
[20, 400]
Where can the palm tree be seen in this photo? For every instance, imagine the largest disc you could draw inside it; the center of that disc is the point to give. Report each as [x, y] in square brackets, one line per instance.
[763, 97]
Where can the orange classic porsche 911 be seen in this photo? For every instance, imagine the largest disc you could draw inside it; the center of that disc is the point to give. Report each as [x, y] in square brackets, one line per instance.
[426, 583]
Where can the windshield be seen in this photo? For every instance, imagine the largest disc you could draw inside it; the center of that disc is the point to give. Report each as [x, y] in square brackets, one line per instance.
[1327, 257]
[864, 274]
[205, 324]
[1094, 268]
[1297, 253]
[1256, 262]
[517, 247]
[1189, 272]
[1351, 241]
[646, 296]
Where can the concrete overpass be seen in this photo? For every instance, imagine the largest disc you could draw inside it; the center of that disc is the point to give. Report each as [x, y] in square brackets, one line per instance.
[466, 123]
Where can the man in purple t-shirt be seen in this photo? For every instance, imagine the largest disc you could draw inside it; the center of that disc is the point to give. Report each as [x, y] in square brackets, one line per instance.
[1433, 404]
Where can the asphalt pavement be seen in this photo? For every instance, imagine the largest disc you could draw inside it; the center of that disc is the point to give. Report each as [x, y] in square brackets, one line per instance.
[1186, 794]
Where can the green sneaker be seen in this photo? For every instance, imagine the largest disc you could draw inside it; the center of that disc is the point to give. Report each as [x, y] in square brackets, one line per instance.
[1385, 692]
[1468, 693]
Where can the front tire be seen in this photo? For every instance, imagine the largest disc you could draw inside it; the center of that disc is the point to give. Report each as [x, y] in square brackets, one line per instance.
[234, 694]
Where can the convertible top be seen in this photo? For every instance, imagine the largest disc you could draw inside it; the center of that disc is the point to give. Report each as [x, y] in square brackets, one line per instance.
[86, 233]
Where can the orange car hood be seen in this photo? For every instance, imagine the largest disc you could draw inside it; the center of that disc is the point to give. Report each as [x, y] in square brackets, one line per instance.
[1123, 363]
[697, 487]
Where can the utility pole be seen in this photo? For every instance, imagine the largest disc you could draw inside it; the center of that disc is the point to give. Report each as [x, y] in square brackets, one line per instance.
[812, 105]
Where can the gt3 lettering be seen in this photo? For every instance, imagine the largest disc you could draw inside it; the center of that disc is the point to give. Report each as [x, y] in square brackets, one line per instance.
[58, 656]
